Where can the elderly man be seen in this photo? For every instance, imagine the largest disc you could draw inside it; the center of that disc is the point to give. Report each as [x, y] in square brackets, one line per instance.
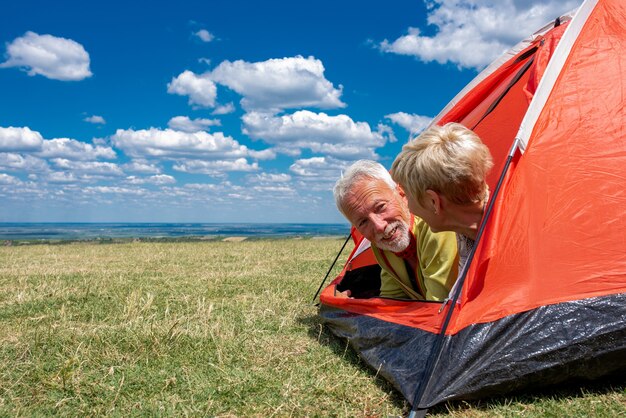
[416, 262]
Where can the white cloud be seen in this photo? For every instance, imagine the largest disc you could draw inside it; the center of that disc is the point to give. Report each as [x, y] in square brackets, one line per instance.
[19, 139]
[338, 135]
[205, 35]
[156, 179]
[74, 150]
[204, 187]
[176, 144]
[228, 193]
[322, 168]
[278, 84]
[114, 190]
[95, 119]
[268, 178]
[28, 141]
[386, 131]
[183, 123]
[268, 86]
[240, 196]
[200, 89]
[50, 56]
[274, 190]
[17, 162]
[7, 179]
[141, 166]
[311, 166]
[60, 177]
[25, 191]
[161, 179]
[224, 109]
[472, 33]
[216, 167]
[266, 154]
[269, 184]
[89, 168]
[318, 173]
[411, 122]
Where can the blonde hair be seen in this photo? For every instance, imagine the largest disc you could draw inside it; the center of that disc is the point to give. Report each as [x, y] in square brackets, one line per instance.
[449, 159]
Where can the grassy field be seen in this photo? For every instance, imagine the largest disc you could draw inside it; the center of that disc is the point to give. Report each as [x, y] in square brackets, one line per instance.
[214, 328]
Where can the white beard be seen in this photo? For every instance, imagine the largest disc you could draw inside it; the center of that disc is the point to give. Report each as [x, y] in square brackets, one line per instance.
[399, 244]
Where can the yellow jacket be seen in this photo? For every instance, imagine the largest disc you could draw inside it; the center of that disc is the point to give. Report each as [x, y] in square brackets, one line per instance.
[437, 270]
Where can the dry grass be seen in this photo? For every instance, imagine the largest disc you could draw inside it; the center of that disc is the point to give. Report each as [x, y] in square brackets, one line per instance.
[203, 329]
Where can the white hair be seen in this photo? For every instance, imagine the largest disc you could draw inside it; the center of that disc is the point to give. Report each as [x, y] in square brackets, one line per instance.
[362, 169]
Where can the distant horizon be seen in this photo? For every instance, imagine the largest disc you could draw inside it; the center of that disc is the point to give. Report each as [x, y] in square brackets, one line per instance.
[71, 231]
[173, 223]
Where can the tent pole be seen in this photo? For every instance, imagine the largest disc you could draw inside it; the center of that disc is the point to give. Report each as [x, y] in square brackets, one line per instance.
[416, 411]
[331, 267]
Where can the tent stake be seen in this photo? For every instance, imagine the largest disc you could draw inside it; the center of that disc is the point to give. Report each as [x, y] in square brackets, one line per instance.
[331, 267]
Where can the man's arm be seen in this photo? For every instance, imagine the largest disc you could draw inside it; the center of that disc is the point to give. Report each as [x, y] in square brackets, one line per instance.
[389, 287]
[394, 278]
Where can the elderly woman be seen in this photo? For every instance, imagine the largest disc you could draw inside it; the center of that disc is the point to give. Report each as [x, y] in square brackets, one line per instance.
[442, 172]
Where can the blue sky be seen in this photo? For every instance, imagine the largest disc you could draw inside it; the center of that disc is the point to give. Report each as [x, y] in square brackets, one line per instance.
[225, 111]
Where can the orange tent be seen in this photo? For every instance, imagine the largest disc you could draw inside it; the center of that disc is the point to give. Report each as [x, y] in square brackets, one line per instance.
[543, 299]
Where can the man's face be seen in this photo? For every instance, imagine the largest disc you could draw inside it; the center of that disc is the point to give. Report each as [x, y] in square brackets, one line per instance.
[379, 213]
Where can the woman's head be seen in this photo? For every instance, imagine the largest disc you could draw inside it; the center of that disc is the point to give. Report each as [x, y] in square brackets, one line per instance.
[450, 160]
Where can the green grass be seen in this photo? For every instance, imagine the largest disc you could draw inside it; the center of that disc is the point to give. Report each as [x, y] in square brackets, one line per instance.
[201, 329]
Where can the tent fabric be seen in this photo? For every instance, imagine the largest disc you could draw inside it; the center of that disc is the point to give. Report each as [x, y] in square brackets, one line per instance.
[553, 69]
[544, 296]
[496, 66]
[562, 236]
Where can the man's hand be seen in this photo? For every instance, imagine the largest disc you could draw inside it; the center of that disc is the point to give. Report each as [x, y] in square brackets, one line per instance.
[344, 294]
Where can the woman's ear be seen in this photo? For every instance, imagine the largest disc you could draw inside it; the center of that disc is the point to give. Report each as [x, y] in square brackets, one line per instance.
[433, 201]
[401, 191]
